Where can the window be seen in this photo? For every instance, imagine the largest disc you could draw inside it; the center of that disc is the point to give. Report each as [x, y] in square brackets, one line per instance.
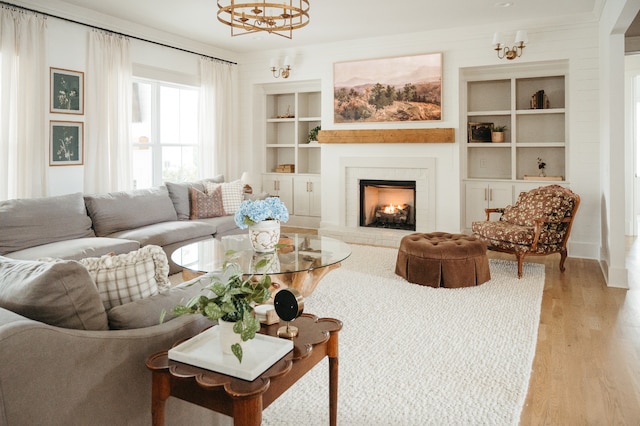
[164, 133]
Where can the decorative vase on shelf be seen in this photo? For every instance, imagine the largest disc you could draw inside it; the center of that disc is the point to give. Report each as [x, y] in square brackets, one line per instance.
[264, 235]
[542, 173]
[228, 338]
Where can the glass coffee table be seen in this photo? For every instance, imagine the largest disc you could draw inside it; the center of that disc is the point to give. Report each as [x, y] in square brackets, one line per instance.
[300, 263]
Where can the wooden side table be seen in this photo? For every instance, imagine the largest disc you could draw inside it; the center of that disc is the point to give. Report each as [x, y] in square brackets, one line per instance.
[240, 399]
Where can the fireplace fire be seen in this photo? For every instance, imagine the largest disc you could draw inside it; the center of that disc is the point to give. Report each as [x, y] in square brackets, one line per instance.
[388, 204]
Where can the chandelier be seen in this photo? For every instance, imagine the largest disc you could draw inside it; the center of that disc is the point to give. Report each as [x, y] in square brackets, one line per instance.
[247, 17]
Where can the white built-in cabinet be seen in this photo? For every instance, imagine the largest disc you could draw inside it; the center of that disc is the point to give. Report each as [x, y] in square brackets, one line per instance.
[494, 174]
[485, 195]
[292, 110]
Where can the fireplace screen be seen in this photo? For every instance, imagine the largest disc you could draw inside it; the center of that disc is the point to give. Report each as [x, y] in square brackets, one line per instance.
[388, 204]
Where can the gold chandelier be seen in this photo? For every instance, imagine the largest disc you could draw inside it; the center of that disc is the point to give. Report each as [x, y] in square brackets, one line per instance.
[247, 17]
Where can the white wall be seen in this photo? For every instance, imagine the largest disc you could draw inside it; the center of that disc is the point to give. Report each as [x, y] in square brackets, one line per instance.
[461, 48]
[67, 45]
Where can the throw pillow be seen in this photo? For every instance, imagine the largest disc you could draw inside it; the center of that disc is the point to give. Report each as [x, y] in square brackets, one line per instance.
[205, 205]
[147, 312]
[127, 277]
[179, 194]
[232, 195]
[58, 293]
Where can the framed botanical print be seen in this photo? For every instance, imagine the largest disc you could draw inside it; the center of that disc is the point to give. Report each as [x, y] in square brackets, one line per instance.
[66, 143]
[67, 91]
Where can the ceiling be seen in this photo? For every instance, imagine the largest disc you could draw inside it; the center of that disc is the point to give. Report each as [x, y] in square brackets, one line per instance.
[330, 20]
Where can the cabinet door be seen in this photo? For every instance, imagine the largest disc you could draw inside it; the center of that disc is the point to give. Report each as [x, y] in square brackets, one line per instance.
[306, 196]
[301, 196]
[315, 197]
[477, 199]
[500, 194]
[281, 187]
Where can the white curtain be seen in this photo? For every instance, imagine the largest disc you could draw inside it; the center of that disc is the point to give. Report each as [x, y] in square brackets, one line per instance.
[108, 114]
[218, 144]
[23, 104]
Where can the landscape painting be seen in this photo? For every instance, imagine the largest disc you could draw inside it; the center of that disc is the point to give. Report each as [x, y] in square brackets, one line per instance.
[407, 88]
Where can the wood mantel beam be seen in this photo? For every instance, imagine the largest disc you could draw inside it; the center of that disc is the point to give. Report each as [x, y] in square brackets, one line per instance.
[437, 135]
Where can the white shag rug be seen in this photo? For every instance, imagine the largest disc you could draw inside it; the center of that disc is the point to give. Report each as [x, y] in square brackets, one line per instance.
[415, 355]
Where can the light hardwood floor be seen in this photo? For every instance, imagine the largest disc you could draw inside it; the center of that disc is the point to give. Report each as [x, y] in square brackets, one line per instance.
[586, 369]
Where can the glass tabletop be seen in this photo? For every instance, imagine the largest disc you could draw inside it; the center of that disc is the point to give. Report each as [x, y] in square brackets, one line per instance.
[302, 252]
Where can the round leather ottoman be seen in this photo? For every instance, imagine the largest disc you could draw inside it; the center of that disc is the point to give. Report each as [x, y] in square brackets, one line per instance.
[440, 259]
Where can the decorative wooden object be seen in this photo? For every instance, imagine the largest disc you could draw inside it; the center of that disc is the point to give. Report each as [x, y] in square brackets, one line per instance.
[437, 135]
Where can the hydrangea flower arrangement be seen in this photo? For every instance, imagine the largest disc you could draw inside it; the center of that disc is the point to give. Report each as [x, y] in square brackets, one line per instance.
[251, 212]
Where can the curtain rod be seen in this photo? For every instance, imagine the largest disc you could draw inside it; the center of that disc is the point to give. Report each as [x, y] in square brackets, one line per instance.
[117, 33]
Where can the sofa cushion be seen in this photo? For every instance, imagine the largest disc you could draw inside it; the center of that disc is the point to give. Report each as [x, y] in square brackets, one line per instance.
[57, 293]
[118, 211]
[204, 205]
[127, 277]
[161, 234]
[179, 194]
[36, 221]
[77, 249]
[223, 225]
[147, 312]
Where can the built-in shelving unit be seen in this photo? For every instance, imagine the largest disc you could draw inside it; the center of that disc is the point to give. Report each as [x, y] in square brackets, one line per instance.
[495, 173]
[291, 161]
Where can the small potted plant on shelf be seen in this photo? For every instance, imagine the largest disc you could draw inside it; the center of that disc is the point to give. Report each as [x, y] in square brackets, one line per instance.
[313, 134]
[541, 166]
[497, 133]
[229, 299]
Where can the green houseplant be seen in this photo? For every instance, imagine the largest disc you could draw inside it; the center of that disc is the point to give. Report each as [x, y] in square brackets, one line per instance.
[497, 133]
[230, 297]
[313, 134]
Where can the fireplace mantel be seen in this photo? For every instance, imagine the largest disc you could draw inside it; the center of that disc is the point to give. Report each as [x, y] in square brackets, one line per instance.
[434, 135]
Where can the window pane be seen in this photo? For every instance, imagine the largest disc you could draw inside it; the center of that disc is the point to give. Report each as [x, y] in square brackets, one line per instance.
[169, 115]
[142, 159]
[141, 106]
[189, 117]
[179, 163]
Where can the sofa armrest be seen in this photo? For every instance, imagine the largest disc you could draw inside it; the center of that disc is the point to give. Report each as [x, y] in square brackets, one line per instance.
[86, 377]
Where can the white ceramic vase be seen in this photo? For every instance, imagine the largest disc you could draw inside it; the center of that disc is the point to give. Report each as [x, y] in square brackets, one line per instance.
[264, 235]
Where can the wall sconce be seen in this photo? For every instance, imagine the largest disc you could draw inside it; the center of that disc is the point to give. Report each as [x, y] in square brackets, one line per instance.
[504, 51]
[277, 71]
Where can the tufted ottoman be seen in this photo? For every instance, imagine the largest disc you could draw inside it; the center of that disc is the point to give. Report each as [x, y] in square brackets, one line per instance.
[439, 259]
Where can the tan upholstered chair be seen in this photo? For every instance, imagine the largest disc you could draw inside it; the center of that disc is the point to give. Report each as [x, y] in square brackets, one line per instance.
[538, 224]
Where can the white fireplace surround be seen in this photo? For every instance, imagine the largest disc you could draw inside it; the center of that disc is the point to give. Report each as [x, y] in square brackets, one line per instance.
[353, 169]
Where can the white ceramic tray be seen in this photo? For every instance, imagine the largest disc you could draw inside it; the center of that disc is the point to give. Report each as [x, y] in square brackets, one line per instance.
[203, 350]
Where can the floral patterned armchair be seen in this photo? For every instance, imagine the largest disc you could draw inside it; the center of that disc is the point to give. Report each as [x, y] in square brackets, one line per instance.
[538, 224]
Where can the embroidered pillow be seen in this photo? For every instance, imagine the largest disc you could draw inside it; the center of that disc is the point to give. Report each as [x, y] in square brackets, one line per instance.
[127, 277]
[206, 204]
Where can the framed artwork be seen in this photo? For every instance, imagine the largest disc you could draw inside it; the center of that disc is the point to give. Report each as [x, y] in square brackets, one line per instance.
[479, 132]
[407, 88]
[67, 91]
[66, 143]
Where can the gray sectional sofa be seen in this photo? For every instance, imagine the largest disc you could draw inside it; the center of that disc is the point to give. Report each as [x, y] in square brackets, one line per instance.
[76, 226]
[65, 359]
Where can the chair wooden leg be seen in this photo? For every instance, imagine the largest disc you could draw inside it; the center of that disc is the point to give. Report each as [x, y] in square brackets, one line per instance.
[563, 257]
[520, 258]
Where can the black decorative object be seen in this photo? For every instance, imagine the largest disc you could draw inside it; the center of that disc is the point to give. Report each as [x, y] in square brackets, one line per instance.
[289, 305]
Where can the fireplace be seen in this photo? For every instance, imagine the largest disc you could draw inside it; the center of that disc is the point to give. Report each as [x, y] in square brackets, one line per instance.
[388, 204]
